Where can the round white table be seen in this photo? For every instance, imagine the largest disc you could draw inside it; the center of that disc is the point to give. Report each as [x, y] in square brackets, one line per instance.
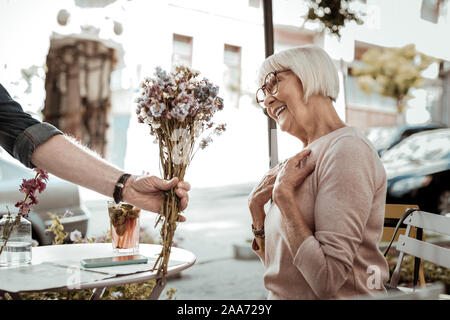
[180, 259]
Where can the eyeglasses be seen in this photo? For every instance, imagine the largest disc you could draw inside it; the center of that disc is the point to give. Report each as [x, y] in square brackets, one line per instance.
[270, 86]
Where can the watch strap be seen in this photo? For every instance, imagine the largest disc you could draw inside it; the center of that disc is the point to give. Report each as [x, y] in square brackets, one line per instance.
[118, 188]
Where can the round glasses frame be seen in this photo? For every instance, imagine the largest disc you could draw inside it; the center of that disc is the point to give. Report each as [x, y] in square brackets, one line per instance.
[269, 87]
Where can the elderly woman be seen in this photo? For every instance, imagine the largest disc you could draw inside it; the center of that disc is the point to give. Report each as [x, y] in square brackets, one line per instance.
[319, 237]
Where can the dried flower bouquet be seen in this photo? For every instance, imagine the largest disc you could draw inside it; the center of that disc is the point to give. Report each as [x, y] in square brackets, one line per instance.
[178, 107]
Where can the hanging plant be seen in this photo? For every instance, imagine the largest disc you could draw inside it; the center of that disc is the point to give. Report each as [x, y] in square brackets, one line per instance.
[332, 14]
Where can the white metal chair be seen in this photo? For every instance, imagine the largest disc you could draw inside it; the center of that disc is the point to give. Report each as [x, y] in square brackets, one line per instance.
[421, 249]
[432, 292]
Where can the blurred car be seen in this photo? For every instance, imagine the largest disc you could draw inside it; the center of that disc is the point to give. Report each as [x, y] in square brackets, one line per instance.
[384, 138]
[59, 196]
[418, 171]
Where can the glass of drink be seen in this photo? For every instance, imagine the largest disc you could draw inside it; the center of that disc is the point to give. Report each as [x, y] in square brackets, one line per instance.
[124, 220]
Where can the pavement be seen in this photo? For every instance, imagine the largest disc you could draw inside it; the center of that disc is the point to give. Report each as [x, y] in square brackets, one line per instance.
[217, 218]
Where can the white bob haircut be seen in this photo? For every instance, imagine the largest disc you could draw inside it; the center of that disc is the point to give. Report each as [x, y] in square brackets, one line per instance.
[312, 65]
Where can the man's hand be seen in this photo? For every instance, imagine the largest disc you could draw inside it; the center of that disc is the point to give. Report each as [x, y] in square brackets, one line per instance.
[146, 192]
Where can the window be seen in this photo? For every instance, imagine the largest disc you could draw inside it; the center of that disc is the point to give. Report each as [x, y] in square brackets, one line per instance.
[433, 10]
[232, 72]
[182, 50]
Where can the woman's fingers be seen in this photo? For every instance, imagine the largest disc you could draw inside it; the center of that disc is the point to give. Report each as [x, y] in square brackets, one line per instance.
[310, 168]
[301, 155]
[304, 172]
[296, 161]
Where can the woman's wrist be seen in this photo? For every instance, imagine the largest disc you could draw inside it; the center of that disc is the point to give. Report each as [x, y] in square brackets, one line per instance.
[283, 196]
[258, 216]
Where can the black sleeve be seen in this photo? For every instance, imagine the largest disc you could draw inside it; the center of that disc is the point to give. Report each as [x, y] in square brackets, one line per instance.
[20, 133]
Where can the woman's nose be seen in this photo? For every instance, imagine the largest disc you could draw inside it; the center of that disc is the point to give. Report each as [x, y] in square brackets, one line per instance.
[268, 100]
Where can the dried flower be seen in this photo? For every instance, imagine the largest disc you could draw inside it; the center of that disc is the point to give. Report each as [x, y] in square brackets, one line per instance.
[178, 107]
[205, 142]
[156, 110]
[75, 235]
[29, 187]
[220, 129]
[116, 294]
[57, 229]
[68, 213]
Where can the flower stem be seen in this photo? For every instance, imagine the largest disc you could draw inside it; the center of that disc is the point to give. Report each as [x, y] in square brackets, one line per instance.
[6, 232]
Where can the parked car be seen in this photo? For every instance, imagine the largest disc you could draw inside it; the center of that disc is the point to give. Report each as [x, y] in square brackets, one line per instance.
[418, 171]
[384, 138]
[58, 197]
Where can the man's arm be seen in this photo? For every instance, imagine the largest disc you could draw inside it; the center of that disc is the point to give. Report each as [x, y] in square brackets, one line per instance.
[70, 161]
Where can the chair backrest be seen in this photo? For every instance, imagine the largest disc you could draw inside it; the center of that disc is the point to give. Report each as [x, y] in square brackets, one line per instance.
[393, 213]
[427, 251]
[432, 292]
[421, 249]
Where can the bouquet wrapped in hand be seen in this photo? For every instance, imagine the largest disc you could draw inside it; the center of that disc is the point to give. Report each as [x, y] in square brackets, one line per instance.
[178, 108]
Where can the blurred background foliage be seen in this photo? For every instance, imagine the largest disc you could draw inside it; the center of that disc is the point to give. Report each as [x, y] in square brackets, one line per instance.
[392, 72]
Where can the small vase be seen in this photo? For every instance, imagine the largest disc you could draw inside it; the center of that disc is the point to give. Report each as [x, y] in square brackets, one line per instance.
[124, 220]
[17, 250]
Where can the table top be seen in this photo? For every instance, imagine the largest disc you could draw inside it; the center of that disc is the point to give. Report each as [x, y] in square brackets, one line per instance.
[69, 255]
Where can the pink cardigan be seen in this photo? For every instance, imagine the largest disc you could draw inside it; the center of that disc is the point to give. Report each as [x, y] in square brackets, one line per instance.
[343, 203]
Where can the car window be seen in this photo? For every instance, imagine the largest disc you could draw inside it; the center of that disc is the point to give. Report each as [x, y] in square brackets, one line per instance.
[421, 147]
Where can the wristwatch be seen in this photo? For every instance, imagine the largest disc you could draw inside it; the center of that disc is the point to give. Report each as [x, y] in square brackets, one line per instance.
[118, 188]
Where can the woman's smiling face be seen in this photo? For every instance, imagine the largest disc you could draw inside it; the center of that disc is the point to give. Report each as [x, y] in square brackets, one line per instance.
[286, 105]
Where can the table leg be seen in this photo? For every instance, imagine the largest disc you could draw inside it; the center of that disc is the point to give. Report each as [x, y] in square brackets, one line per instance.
[159, 287]
[97, 294]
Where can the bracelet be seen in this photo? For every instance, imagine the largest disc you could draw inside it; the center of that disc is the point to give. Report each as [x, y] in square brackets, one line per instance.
[118, 188]
[258, 233]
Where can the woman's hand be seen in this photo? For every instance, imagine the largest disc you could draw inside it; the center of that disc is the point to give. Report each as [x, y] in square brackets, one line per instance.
[292, 174]
[146, 192]
[260, 195]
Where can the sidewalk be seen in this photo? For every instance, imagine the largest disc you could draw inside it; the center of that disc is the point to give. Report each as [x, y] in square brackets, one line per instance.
[216, 218]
